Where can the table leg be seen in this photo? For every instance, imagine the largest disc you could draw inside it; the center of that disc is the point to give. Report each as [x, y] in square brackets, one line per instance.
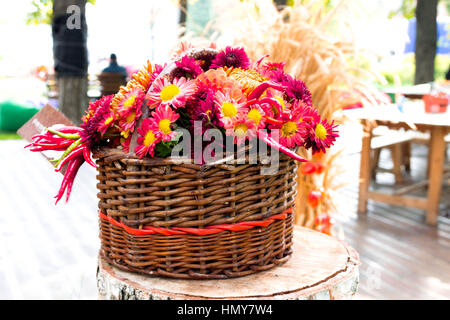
[364, 170]
[397, 161]
[436, 167]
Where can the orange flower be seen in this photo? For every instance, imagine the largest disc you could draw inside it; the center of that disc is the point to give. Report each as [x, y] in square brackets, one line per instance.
[141, 79]
[217, 79]
[249, 79]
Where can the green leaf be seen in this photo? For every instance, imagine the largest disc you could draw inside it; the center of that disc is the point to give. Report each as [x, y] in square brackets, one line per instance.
[164, 148]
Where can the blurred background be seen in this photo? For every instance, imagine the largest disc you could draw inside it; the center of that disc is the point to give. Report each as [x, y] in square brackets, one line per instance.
[391, 56]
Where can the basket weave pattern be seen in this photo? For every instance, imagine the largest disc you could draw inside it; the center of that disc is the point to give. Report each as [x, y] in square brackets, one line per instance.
[161, 193]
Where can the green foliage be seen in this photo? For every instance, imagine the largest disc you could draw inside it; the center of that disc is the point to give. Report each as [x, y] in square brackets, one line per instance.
[42, 12]
[184, 121]
[8, 135]
[441, 65]
[406, 67]
[164, 148]
[407, 9]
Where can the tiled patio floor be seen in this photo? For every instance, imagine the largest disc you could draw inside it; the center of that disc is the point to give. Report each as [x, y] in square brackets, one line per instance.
[49, 252]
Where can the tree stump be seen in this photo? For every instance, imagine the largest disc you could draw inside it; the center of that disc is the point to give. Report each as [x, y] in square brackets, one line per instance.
[321, 267]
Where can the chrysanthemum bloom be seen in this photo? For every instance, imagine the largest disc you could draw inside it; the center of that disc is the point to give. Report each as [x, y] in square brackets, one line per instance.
[162, 122]
[141, 79]
[278, 95]
[131, 101]
[204, 58]
[147, 140]
[203, 108]
[270, 67]
[320, 135]
[125, 142]
[183, 47]
[231, 57]
[128, 123]
[90, 133]
[228, 108]
[307, 113]
[106, 123]
[248, 79]
[157, 69]
[187, 68]
[295, 88]
[291, 130]
[217, 80]
[242, 128]
[93, 106]
[256, 114]
[165, 93]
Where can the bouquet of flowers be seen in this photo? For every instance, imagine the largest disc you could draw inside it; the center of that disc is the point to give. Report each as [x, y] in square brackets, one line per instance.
[202, 90]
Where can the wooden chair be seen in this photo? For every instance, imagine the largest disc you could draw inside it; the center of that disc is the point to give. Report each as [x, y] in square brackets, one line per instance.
[110, 82]
[398, 142]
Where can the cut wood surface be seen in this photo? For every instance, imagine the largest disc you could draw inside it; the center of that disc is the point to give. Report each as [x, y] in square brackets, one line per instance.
[321, 267]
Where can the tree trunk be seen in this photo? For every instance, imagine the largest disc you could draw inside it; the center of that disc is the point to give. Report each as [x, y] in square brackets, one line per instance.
[280, 4]
[426, 37]
[69, 31]
[321, 267]
[183, 14]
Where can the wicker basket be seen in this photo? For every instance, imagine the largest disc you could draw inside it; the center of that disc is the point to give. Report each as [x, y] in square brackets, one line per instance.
[163, 218]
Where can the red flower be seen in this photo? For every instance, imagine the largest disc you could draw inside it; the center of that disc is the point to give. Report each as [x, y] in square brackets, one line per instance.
[320, 135]
[314, 198]
[147, 140]
[320, 167]
[323, 223]
[231, 57]
[308, 168]
[90, 134]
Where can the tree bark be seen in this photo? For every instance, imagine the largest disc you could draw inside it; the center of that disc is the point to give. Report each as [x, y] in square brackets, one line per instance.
[183, 14]
[280, 4]
[69, 31]
[426, 37]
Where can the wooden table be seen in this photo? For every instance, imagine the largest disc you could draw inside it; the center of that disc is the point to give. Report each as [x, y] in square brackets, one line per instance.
[419, 90]
[321, 267]
[413, 117]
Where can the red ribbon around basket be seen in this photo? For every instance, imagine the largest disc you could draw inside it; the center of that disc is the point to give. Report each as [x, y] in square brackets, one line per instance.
[240, 226]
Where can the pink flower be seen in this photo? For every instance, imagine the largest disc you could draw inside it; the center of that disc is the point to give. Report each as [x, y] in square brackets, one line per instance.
[106, 123]
[132, 100]
[128, 122]
[320, 135]
[161, 123]
[186, 67]
[147, 140]
[256, 114]
[175, 94]
[228, 108]
[291, 129]
[242, 128]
